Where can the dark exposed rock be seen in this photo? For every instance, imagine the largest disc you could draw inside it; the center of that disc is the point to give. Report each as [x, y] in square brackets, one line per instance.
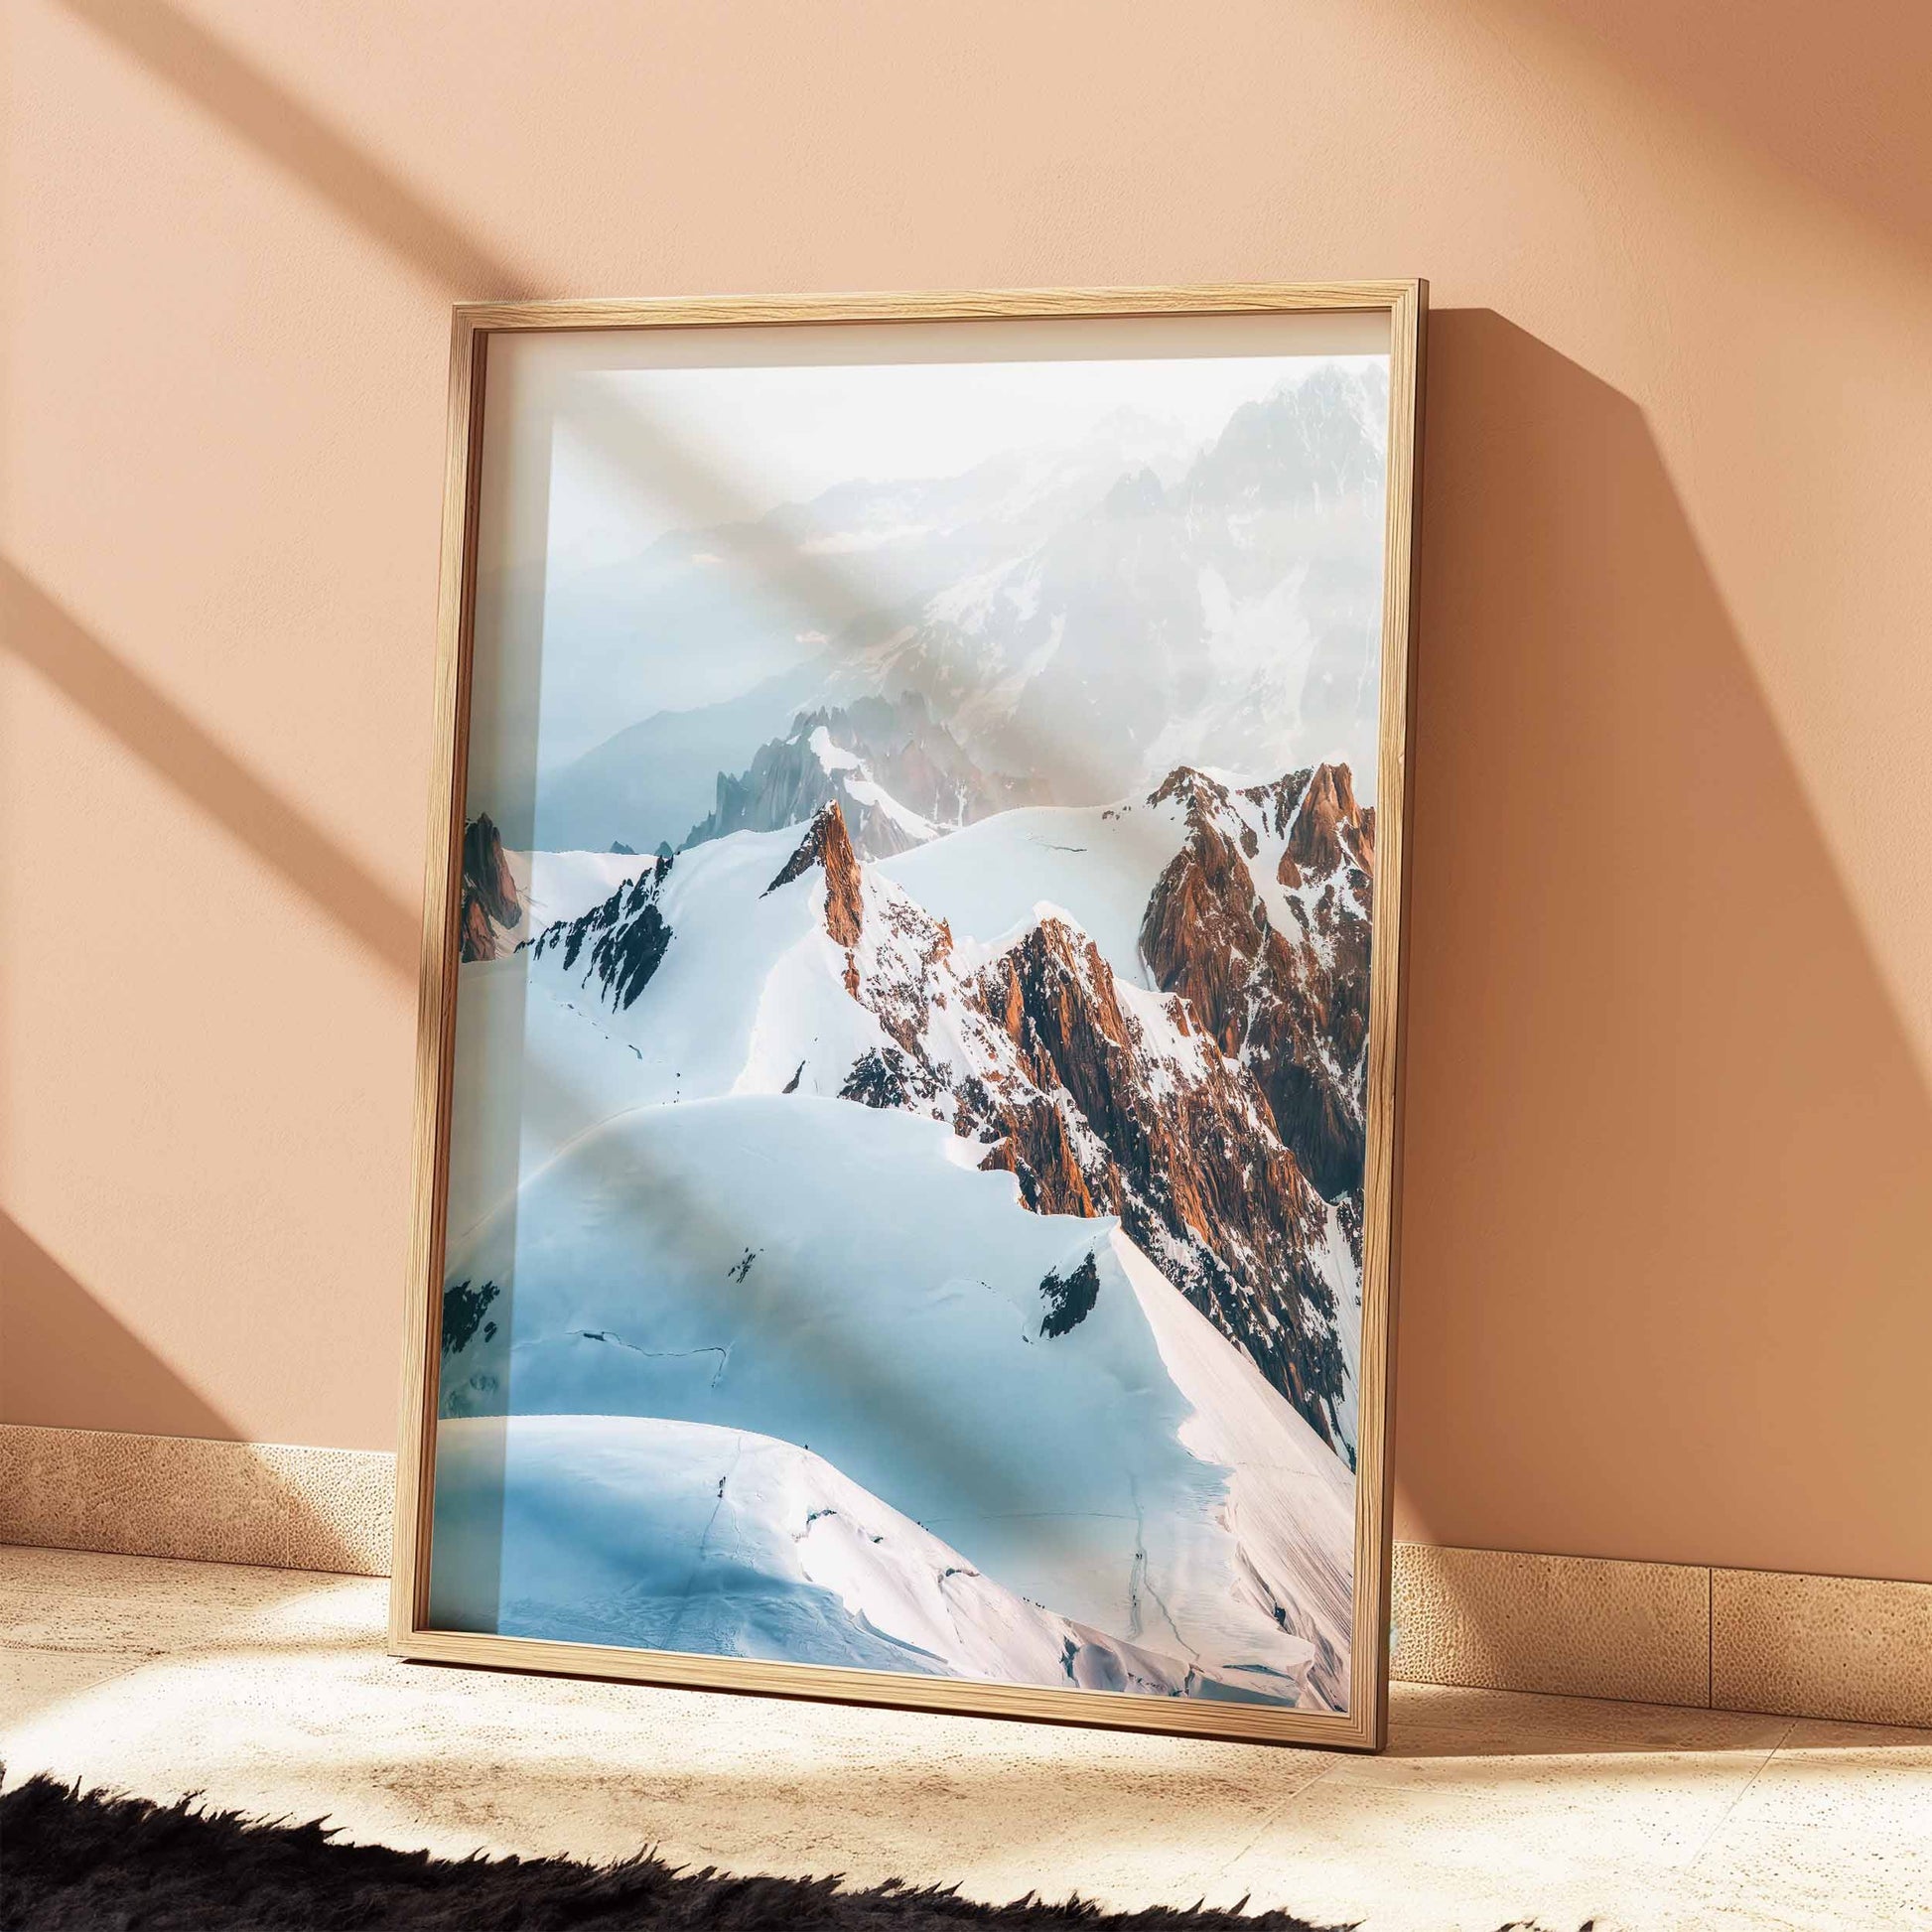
[631, 953]
[1069, 1297]
[490, 903]
[627, 937]
[888, 1079]
[462, 1310]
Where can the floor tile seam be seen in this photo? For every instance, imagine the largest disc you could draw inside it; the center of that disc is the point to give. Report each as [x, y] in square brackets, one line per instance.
[1751, 1784]
[1279, 1811]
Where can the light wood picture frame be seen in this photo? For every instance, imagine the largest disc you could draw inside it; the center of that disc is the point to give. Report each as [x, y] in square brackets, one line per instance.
[676, 490]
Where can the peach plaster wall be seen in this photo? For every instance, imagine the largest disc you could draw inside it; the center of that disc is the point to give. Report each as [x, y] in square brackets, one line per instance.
[1670, 1161]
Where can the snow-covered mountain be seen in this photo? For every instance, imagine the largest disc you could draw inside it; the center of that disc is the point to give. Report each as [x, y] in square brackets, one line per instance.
[941, 1263]
[899, 777]
[1082, 619]
[1177, 1045]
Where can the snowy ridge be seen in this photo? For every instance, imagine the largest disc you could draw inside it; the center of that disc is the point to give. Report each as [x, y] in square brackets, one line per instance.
[1121, 1102]
[675, 1536]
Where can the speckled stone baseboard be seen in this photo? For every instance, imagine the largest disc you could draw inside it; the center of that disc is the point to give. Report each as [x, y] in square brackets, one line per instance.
[182, 1497]
[1822, 1646]
[1580, 1627]
[1844, 1647]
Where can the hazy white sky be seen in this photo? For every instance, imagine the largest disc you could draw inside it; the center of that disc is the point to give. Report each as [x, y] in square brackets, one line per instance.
[639, 452]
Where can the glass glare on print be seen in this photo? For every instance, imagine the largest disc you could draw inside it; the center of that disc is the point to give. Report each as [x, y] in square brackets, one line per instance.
[905, 1203]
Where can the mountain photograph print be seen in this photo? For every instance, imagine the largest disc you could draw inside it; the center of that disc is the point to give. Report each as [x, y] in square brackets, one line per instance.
[911, 925]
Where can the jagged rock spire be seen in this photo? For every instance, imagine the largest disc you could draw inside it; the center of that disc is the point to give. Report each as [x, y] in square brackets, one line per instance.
[827, 844]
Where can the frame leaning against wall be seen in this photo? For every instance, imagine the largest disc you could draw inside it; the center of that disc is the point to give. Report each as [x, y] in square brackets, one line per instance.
[1363, 1725]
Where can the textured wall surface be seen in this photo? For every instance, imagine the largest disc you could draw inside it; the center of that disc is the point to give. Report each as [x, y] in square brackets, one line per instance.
[1670, 1167]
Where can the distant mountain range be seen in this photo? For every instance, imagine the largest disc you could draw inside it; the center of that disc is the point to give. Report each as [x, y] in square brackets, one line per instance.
[899, 777]
[1076, 622]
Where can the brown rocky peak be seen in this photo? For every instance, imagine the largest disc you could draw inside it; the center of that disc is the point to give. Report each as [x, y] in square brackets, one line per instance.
[1200, 793]
[828, 844]
[490, 902]
[1289, 1014]
[1056, 986]
[1326, 830]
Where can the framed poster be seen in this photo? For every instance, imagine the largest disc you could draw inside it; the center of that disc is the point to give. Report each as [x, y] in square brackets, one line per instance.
[909, 1056]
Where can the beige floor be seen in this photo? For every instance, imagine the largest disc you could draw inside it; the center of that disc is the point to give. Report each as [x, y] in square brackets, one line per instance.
[268, 1689]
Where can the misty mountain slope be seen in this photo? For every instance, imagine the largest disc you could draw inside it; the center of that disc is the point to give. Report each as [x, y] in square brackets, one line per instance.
[899, 777]
[786, 600]
[745, 967]
[684, 1536]
[646, 784]
[725, 1261]
[1227, 617]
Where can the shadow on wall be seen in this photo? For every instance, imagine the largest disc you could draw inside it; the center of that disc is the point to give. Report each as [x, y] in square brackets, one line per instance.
[60, 1349]
[241, 97]
[1669, 1162]
[1842, 113]
[155, 729]
[62, 1356]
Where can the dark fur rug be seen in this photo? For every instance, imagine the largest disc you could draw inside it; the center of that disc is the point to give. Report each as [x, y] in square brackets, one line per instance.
[80, 1862]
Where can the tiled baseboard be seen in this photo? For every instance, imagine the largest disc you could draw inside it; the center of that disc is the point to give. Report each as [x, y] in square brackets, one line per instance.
[180, 1496]
[1846, 1647]
[1821, 1646]
[1580, 1626]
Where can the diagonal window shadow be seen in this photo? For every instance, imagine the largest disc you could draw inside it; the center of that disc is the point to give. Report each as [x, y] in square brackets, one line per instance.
[61, 1347]
[43, 634]
[251, 103]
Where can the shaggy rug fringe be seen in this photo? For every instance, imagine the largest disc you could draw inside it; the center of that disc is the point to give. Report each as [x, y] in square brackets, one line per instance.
[88, 1861]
